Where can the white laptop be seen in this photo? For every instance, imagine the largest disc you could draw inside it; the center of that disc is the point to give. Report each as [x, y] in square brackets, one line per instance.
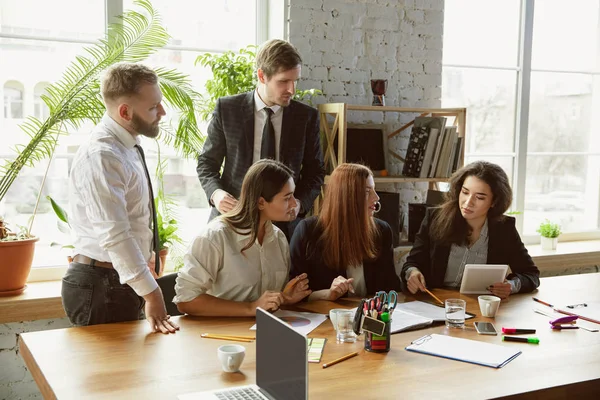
[281, 365]
[477, 277]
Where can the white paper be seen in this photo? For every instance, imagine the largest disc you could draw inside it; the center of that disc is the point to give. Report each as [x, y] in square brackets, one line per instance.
[402, 321]
[301, 322]
[491, 355]
[426, 310]
[591, 310]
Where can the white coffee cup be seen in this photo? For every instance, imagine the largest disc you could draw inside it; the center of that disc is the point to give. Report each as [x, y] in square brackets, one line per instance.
[231, 357]
[333, 315]
[489, 305]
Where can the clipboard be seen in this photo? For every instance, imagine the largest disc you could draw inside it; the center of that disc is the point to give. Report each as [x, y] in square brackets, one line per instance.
[466, 350]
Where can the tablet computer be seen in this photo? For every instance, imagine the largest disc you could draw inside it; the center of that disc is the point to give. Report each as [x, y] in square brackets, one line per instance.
[477, 277]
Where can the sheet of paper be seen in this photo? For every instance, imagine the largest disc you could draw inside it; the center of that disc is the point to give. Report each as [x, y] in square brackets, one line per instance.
[426, 310]
[472, 351]
[302, 322]
[590, 310]
[402, 321]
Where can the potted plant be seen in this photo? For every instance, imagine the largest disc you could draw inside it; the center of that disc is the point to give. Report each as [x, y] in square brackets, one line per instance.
[549, 232]
[76, 98]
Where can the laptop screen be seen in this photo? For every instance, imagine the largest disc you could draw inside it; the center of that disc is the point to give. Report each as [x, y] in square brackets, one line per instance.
[281, 358]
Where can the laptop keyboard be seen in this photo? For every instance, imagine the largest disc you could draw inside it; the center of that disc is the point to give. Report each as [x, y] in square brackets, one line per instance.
[239, 394]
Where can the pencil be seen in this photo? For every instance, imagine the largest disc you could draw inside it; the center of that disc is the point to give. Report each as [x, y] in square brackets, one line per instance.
[339, 360]
[433, 295]
[228, 337]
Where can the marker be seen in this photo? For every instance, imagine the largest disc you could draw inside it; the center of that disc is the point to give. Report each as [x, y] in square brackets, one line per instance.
[561, 327]
[532, 340]
[517, 331]
[542, 302]
[385, 317]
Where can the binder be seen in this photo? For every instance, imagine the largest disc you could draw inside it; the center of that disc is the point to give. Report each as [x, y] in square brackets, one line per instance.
[466, 350]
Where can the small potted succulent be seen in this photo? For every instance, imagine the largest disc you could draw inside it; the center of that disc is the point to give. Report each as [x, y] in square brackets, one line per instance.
[549, 232]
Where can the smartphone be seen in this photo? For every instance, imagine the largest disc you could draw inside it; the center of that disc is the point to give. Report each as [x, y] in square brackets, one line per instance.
[485, 328]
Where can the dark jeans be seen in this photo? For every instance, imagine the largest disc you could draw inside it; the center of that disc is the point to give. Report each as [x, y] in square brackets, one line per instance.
[93, 295]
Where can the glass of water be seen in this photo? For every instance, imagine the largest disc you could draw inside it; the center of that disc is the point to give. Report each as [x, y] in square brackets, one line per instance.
[343, 326]
[455, 313]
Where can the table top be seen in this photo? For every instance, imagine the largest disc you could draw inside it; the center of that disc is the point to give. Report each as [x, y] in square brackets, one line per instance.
[127, 361]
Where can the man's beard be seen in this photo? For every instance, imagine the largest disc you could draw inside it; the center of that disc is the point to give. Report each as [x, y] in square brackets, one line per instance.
[144, 128]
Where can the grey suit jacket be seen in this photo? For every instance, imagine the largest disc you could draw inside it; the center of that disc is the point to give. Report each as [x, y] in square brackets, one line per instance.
[230, 137]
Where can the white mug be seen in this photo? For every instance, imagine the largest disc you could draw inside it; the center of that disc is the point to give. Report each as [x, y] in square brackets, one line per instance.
[489, 305]
[231, 357]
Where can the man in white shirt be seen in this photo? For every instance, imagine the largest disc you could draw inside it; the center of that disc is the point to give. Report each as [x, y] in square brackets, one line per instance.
[264, 123]
[109, 279]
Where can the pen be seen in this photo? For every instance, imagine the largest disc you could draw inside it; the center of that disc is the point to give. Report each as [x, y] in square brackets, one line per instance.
[339, 360]
[532, 340]
[542, 302]
[517, 331]
[247, 339]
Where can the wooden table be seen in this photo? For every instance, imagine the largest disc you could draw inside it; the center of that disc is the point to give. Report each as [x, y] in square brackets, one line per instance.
[124, 361]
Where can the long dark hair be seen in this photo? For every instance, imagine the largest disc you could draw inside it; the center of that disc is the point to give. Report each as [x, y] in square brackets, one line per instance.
[448, 225]
[264, 179]
[349, 233]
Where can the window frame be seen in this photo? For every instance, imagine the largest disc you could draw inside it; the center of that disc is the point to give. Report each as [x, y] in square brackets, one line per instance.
[520, 154]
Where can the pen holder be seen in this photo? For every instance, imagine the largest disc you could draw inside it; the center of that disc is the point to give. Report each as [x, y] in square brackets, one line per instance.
[378, 344]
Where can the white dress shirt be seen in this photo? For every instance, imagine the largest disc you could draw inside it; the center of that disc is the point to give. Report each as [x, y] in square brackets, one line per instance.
[214, 264]
[260, 118]
[110, 204]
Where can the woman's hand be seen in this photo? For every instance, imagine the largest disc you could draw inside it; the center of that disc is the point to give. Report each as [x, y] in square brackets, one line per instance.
[339, 287]
[416, 281]
[296, 289]
[269, 301]
[501, 289]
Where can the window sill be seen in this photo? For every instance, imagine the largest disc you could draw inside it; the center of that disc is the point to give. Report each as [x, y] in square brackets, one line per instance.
[40, 300]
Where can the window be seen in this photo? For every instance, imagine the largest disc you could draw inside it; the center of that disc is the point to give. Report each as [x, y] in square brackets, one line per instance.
[52, 37]
[13, 100]
[553, 160]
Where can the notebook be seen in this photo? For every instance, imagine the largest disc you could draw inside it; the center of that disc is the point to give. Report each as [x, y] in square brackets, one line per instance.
[426, 310]
[281, 365]
[466, 350]
[403, 321]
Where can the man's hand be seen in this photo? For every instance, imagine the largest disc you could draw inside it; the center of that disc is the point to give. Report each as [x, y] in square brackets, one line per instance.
[416, 281]
[223, 201]
[339, 287]
[156, 313]
[269, 301]
[296, 289]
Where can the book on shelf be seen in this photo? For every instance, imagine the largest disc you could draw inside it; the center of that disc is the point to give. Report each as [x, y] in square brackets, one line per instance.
[423, 129]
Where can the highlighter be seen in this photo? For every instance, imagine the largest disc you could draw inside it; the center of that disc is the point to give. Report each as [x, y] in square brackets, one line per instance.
[532, 340]
[516, 331]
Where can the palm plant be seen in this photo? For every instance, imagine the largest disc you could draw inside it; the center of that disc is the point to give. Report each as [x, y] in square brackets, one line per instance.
[76, 97]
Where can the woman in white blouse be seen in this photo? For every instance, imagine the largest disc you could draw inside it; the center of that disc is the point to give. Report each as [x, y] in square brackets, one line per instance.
[241, 260]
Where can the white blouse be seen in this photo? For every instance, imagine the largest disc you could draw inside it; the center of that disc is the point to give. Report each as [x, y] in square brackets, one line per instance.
[215, 265]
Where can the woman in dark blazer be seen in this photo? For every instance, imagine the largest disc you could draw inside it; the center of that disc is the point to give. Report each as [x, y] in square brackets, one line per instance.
[345, 249]
[470, 228]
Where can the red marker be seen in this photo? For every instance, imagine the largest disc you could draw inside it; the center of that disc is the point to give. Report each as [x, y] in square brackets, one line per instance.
[517, 331]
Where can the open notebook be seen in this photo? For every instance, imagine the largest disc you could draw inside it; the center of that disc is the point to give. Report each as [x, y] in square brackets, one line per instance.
[425, 310]
[471, 351]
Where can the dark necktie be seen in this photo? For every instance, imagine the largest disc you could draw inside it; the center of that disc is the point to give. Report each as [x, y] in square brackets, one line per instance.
[267, 148]
[154, 218]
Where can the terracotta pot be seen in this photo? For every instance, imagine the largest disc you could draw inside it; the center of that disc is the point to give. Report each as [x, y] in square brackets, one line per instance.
[163, 260]
[15, 264]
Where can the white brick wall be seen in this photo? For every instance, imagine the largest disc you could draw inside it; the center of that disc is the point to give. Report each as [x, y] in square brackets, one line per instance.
[346, 43]
[16, 382]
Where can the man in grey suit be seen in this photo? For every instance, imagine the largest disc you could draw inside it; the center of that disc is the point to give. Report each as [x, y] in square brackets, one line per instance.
[264, 123]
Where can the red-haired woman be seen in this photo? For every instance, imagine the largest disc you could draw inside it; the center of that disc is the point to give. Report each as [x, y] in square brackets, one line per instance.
[345, 249]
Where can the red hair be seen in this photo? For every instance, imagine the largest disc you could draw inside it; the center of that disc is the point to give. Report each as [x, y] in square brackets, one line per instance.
[349, 233]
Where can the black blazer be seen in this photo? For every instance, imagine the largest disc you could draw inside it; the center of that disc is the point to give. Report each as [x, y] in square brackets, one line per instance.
[504, 247]
[230, 137]
[380, 274]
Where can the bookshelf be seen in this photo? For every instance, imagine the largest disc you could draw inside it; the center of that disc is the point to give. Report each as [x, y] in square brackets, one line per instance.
[338, 129]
